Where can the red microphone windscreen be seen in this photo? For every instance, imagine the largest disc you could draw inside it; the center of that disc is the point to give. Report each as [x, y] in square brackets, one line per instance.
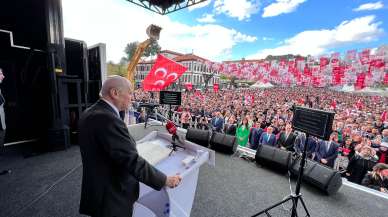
[171, 128]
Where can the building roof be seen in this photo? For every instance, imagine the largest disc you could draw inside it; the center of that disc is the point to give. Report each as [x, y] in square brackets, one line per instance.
[179, 58]
[188, 57]
[241, 61]
[171, 52]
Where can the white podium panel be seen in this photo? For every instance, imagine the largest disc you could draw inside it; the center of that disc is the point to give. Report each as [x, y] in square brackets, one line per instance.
[175, 202]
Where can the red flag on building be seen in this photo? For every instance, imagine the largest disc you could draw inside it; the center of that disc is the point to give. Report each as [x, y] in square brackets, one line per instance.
[216, 87]
[163, 73]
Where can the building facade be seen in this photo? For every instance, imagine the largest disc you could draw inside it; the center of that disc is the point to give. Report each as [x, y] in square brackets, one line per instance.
[196, 72]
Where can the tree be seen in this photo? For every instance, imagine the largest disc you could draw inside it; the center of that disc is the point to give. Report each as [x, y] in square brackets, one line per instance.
[130, 50]
[206, 78]
[233, 81]
[151, 50]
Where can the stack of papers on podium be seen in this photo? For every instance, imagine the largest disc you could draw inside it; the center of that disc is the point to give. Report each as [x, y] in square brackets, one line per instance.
[152, 152]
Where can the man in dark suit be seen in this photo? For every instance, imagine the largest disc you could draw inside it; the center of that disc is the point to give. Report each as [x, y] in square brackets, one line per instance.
[218, 122]
[286, 139]
[300, 142]
[230, 127]
[268, 138]
[327, 151]
[112, 168]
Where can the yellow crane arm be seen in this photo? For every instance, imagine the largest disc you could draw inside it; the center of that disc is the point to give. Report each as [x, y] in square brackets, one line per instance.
[135, 59]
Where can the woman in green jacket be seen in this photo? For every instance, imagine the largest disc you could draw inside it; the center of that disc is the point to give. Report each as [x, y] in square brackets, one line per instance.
[242, 133]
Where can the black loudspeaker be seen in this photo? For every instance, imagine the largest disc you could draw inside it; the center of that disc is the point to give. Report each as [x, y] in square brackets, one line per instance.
[313, 121]
[200, 137]
[273, 157]
[223, 143]
[325, 178]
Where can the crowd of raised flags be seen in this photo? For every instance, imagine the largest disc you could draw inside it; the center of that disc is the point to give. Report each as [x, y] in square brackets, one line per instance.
[366, 68]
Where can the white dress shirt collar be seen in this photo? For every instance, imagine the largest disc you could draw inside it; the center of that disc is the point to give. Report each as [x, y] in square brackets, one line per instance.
[113, 106]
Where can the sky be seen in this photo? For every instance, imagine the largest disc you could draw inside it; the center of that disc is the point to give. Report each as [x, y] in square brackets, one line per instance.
[222, 30]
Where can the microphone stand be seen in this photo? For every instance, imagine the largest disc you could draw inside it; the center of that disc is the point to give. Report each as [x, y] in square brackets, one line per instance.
[294, 197]
[174, 146]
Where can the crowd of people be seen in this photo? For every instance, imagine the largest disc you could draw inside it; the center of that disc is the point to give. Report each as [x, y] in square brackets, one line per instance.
[358, 146]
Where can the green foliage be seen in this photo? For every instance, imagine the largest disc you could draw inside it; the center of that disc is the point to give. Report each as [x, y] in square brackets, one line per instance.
[130, 49]
[286, 57]
[117, 69]
[151, 50]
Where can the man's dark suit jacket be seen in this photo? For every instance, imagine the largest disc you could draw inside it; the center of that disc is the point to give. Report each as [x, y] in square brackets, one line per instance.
[230, 129]
[112, 167]
[217, 124]
[265, 141]
[330, 155]
[286, 142]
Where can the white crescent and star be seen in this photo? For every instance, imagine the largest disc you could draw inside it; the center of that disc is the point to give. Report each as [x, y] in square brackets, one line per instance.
[159, 83]
[174, 75]
[162, 70]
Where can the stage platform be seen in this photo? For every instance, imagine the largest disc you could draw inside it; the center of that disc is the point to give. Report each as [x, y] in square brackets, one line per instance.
[49, 185]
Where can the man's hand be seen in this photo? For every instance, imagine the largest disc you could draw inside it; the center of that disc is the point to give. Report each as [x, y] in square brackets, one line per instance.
[324, 161]
[384, 190]
[173, 181]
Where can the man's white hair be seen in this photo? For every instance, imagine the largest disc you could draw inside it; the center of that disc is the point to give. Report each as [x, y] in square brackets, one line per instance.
[114, 82]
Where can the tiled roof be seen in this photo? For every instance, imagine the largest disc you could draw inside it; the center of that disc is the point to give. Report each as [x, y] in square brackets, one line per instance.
[171, 52]
[188, 57]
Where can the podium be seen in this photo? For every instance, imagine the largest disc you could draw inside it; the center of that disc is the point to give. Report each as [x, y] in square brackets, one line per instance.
[176, 202]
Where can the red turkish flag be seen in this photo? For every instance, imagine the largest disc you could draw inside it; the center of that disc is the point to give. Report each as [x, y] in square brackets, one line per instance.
[385, 78]
[333, 104]
[360, 82]
[216, 87]
[163, 73]
[189, 86]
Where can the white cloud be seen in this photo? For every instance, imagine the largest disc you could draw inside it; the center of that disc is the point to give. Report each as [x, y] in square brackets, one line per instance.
[117, 23]
[281, 7]
[207, 18]
[316, 42]
[267, 39]
[200, 5]
[240, 9]
[369, 6]
[210, 41]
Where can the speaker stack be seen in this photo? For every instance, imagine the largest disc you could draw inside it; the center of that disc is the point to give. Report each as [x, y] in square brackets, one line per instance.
[273, 157]
[325, 178]
[200, 137]
[223, 143]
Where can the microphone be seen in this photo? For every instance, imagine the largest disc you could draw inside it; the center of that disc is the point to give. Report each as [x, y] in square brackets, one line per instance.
[171, 129]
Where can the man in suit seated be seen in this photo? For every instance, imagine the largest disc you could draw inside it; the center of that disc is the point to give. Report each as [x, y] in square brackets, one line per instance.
[327, 151]
[217, 122]
[112, 168]
[268, 138]
[286, 139]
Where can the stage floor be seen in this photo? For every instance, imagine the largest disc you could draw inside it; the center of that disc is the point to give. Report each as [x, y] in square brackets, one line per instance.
[49, 185]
